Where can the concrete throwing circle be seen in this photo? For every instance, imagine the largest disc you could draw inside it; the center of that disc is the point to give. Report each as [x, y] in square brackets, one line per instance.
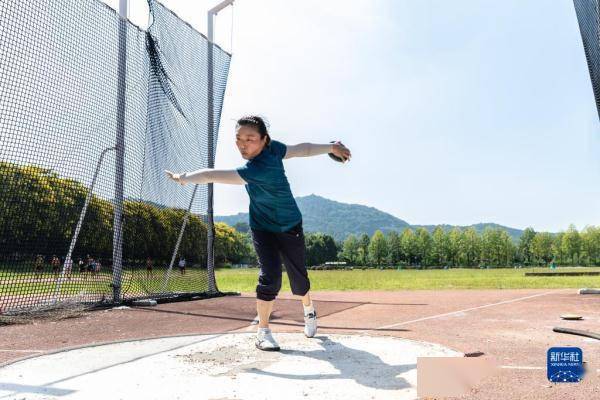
[226, 367]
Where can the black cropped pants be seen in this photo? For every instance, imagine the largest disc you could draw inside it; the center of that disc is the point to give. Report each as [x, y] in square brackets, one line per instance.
[271, 248]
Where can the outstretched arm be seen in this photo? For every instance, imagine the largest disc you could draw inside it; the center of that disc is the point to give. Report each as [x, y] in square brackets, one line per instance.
[208, 175]
[311, 149]
[307, 150]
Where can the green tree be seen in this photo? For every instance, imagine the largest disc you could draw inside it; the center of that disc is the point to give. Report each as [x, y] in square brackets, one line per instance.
[590, 239]
[470, 247]
[230, 244]
[408, 241]
[557, 247]
[320, 248]
[364, 242]
[542, 247]
[394, 248]
[378, 249]
[42, 211]
[350, 249]
[509, 249]
[455, 238]
[571, 244]
[525, 245]
[361, 257]
[423, 246]
[497, 247]
[439, 246]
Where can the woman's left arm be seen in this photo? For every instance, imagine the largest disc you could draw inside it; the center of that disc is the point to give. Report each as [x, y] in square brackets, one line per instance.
[312, 149]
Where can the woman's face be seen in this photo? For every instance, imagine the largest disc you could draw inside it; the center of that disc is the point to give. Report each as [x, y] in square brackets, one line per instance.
[249, 142]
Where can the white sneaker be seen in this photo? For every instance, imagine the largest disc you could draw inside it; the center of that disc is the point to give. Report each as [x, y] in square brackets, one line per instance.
[310, 324]
[265, 340]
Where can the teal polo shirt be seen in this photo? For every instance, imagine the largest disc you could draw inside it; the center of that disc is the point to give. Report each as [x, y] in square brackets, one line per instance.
[272, 205]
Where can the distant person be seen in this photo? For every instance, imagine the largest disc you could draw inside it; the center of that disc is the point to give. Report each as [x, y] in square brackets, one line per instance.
[275, 219]
[81, 265]
[149, 267]
[182, 266]
[55, 265]
[39, 266]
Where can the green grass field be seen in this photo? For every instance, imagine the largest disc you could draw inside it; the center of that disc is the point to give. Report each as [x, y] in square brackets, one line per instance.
[244, 280]
[27, 283]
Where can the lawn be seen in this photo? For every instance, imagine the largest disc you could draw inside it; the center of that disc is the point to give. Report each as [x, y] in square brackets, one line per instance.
[28, 283]
[244, 280]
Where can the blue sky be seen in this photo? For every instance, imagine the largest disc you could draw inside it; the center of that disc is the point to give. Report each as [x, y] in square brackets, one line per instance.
[456, 112]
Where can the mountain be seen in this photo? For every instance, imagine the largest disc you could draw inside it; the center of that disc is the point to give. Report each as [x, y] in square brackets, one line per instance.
[341, 219]
[231, 220]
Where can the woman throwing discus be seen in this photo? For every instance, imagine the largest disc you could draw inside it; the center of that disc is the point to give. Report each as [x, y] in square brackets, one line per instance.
[275, 220]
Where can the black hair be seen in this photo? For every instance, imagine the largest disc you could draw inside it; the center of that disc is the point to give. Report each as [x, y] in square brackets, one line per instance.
[256, 122]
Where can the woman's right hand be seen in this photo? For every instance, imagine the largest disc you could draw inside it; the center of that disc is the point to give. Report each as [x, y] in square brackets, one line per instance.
[175, 177]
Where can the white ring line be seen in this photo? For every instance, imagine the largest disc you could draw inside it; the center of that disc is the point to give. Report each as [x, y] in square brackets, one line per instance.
[21, 351]
[520, 367]
[99, 344]
[465, 310]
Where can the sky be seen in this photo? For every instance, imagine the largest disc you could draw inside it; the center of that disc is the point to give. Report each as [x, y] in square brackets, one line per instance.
[456, 112]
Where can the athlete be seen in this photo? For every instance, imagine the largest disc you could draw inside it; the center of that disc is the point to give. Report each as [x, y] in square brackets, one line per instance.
[275, 219]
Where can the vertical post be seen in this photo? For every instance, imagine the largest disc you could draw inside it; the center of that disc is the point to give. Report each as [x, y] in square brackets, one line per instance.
[210, 228]
[176, 249]
[120, 156]
[212, 285]
[68, 264]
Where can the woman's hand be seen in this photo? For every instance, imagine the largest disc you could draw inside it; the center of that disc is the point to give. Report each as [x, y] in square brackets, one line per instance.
[341, 151]
[175, 177]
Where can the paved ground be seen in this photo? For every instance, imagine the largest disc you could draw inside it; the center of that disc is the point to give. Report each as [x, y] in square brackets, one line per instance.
[512, 326]
[226, 366]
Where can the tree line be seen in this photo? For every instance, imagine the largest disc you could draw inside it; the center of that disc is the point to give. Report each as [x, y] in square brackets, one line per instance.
[39, 212]
[466, 247]
[493, 247]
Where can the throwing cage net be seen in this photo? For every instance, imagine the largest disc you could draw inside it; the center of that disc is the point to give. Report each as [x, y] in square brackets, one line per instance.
[92, 110]
[588, 16]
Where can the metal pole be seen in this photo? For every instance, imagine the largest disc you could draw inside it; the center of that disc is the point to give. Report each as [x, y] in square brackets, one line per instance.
[212, 285]
[176, 249]
[120, 156]
[68, 264]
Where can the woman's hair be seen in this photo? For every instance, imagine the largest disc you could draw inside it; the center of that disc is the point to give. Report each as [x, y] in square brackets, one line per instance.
[256, 122]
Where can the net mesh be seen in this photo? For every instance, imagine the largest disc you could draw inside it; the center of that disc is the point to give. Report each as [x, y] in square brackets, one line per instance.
[588, 16]
[92, 111]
